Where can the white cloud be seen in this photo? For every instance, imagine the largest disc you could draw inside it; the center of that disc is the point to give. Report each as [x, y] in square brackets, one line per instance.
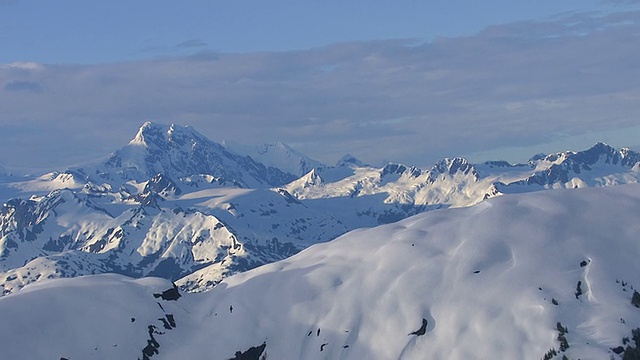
[25, 65]
[522, 85]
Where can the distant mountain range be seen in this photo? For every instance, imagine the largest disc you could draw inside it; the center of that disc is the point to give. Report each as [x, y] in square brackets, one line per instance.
[175, 204]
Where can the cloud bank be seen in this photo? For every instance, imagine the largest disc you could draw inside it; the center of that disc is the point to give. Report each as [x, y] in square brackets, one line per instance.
[516, 86]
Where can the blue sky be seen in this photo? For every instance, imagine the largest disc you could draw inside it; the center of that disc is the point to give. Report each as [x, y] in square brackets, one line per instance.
[407, 81]
[98, 32]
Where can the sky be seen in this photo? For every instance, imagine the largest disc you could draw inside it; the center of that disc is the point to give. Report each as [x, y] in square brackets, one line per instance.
[405, 81]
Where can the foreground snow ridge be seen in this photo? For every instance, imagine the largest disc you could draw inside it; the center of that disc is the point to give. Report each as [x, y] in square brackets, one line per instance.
[530, 276]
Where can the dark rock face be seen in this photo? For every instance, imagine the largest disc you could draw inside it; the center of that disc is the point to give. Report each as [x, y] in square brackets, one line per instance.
[21, 217]
[163, 185]
[152, 344]
[168, 322]
[422, 330]
[500, 164]
[252, 354]
[400, 169]
[578, 292]
[148, 198]
[170, 294]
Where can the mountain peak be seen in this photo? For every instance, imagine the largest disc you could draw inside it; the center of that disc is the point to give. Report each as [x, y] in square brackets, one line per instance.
[151, 133]
[349, 160]
[453, 165]
[147, 132]
[180, 151]
[598, 152]
[602, 148]
[312, 178]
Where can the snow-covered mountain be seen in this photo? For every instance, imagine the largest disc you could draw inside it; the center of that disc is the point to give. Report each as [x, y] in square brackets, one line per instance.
[175, 204]
[454, 182]
[180, 151]
[212, 231]
[277, 155]
[543, 275]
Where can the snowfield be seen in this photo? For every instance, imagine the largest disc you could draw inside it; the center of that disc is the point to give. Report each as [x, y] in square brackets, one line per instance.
[511, 277]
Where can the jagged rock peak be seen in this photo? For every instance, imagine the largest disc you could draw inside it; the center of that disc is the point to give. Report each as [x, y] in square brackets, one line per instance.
[148, 132]
[453, 165]
[154, 133]
[599, 152]
[498, 164]
[312, 178]
[163, 185]
[400, 169]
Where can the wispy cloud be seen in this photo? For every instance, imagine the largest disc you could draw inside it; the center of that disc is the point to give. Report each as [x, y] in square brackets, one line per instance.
[189, 44]
[521, 84]
[188, 47]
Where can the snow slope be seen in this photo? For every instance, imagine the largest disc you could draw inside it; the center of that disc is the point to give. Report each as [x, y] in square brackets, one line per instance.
[277, 155]
[505, 278]
[95, 317]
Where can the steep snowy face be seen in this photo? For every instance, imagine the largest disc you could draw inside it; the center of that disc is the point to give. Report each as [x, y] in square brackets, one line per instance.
[277, 155]
[179, 152]
[529, 276]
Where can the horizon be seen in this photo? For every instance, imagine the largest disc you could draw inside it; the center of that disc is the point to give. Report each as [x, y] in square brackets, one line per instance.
[19, 171]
